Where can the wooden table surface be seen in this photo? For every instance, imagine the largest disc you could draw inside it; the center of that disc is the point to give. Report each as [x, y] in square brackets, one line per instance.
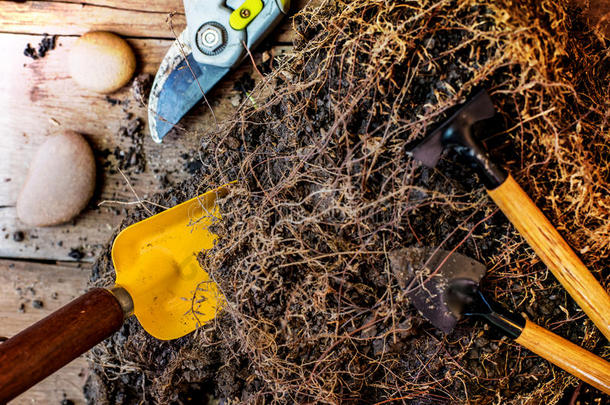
[39, 99]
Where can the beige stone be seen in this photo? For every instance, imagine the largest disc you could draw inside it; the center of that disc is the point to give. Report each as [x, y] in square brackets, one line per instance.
[60, 182]
[101, 61]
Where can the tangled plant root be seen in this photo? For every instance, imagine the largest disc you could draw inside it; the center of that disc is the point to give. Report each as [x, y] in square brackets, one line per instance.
[325, 190]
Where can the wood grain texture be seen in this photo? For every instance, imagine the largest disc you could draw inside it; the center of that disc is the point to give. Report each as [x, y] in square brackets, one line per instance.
[138, 5]
[39, 99]
[554, 252]
[130, 18]
[51, 343]
[64, 18]
[564, 354]
[53, 285]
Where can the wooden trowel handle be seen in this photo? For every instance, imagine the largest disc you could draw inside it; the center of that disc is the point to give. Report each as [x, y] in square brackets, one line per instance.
[572, 358]
[554, 252]
[53, 342]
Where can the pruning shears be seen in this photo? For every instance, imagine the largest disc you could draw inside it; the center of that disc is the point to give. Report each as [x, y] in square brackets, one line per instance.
[217, 38]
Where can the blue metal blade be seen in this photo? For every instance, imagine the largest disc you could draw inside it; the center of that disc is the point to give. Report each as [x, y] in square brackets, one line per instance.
[178, 87]
[181, 92]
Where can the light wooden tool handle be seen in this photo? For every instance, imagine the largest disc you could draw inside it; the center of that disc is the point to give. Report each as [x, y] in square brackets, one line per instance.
[53, 342]
[554, 252]
[572, 358]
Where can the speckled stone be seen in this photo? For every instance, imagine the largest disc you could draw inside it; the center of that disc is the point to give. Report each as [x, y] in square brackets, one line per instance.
[60, 182]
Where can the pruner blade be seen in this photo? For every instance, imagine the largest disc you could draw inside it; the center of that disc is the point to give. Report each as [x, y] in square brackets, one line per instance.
[217, 37]
[179, 85]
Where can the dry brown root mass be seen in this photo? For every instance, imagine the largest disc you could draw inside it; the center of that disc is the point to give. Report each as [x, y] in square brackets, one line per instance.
[325, 190]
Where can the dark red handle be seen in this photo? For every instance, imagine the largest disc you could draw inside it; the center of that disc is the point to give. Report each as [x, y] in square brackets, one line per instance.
[53, 342]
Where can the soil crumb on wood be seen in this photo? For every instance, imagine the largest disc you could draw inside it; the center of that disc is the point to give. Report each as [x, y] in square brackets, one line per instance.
[140, 89]
[76, 253]
[46, 44]
[133, 156]
[325, 189]
[18, 236]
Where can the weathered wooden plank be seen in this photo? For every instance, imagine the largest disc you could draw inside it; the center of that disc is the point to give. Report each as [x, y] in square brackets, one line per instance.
[23, 283]
[131, 18]
[82, 239]
[62, 18]
[39, 99]
[165, 6]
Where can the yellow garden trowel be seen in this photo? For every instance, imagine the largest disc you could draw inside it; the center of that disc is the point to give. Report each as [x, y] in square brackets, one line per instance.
[158, 278]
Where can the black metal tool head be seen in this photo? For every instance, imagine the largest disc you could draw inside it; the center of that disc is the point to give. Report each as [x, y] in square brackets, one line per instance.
[457, 132]
[430, 278]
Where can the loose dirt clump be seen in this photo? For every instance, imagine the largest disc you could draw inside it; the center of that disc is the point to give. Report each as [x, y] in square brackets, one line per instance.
[140, 89]
[46, 44]
[325, 190]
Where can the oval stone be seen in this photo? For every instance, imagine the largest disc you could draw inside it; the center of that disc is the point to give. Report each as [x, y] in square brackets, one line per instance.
[60, 182]
[101, 61]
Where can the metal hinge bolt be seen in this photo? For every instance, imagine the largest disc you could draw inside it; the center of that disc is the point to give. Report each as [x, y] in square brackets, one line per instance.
[211, 38]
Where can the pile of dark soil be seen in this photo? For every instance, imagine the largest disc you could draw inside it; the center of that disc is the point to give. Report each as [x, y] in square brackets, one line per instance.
[325, 190]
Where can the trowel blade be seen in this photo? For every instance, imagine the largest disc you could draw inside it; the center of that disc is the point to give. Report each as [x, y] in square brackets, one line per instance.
[429, 151]
[427, 273]
[478, 108]
[179, 85]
